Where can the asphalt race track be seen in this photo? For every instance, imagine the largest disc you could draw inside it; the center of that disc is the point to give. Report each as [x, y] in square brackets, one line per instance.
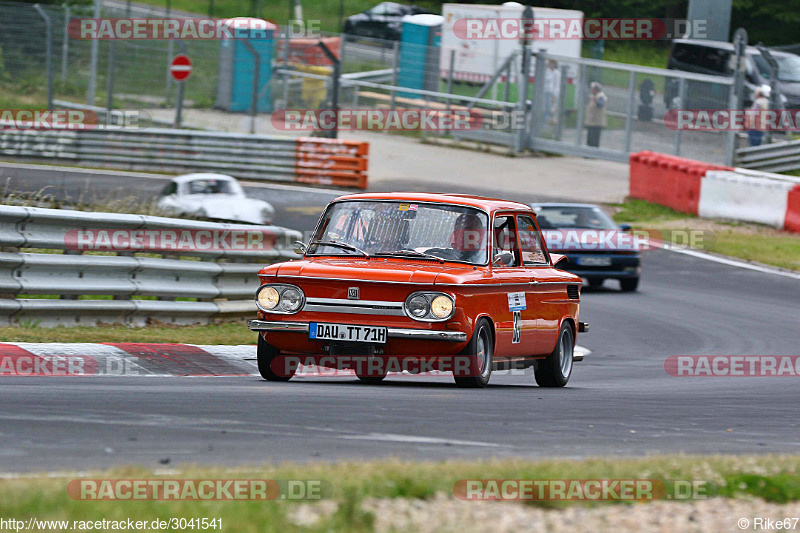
[620, 400]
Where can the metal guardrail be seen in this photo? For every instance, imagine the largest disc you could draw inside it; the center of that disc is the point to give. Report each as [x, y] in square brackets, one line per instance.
[222, 280]
[254, 157]
[773, 157]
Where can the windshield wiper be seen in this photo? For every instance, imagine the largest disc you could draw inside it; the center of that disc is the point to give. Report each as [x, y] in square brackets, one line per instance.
[411, 253]
[343, 245]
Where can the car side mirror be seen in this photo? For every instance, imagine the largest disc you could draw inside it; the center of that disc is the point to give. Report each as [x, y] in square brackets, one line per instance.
[299, 247]
[558, 259]
[625, 227]
[503, 258]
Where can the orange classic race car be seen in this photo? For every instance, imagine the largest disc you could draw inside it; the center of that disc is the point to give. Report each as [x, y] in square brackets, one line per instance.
[420, 282]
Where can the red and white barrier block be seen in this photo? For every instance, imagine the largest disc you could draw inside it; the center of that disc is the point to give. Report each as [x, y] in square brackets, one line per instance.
[715, 191]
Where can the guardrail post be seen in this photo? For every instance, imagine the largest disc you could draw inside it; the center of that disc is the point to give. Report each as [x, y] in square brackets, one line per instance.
[48, 29]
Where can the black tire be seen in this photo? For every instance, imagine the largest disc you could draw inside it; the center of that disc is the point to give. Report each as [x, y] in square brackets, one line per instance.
[595, 283]
[556, 370]
[266, 355]
[629, 284]
[371, 379]
[480, 351]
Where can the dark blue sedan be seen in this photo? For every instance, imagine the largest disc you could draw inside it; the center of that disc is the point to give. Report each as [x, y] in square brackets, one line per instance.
[597, 248]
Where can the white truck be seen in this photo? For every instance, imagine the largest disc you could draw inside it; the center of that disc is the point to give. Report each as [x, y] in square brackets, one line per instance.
[483, 36]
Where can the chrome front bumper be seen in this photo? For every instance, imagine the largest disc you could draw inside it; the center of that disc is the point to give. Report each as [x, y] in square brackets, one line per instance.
[392, 333]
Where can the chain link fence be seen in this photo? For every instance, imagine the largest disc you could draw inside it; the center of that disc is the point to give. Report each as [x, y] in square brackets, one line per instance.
[295, 73]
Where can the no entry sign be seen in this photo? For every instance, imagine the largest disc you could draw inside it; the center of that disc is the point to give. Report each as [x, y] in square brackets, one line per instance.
[180, 67]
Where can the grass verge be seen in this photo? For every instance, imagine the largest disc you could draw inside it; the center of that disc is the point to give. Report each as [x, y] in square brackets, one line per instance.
[751, 242]
[771, 478]
[223, 333]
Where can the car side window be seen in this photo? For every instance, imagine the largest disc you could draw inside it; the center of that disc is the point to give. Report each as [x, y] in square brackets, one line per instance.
[530, 243]
[171, 188]
[504, 248]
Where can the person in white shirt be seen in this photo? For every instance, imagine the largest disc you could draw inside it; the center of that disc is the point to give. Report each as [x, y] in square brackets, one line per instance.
[552, 88]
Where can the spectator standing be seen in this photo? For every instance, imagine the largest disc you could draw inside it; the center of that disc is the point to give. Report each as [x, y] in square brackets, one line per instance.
[760, 104]
[595, 119]
[552, 88]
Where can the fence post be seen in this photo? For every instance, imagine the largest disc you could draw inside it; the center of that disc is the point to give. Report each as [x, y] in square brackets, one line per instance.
[110, 81]
[179, 103]
[579, 88]
[256, 76]
[682, 100]
[90, 90]
[562, 95]
[337, 72]
[65, 45]
[538, 103]
[629, 118]
[450, 70]
[395, 66]
[48, 53]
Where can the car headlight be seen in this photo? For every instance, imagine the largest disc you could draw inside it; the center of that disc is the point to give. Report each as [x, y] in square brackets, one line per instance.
[430, 306]
[291, 299]
[418, 306]
[280, 299]
[442, 307]
[267, 298]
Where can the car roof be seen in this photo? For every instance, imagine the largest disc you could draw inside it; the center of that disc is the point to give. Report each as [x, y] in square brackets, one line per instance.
[563, 204]
[202, 176]
[724, 45]
[487, 204]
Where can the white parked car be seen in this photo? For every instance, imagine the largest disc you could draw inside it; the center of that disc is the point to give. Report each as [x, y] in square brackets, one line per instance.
[213, 196]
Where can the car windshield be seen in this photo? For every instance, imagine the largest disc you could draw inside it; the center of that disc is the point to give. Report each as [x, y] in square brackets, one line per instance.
[403, 229]
[210, 186]
[583, 217]
[788, 67]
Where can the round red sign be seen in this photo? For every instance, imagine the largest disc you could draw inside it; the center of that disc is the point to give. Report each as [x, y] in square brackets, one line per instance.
[180, 67]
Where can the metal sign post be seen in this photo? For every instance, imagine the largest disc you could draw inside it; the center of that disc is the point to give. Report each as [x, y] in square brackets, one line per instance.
[180, 68]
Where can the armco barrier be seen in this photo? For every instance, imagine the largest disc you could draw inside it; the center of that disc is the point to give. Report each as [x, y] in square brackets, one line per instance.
[253, 157]
[222, 281]
[726, 194]
[668, 180]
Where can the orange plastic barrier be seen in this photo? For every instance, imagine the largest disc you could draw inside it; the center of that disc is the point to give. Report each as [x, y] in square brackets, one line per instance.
[331, 162]
[668, 180]
[792, 219]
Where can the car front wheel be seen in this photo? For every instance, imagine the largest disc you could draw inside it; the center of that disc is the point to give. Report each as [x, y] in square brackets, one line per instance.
[271, 366]
[557, 368]
[479, 353]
